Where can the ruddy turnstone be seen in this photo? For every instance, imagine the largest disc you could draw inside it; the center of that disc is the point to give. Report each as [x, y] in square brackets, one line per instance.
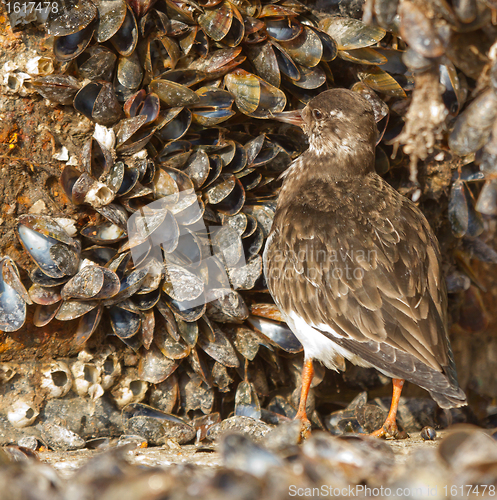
[353, 265]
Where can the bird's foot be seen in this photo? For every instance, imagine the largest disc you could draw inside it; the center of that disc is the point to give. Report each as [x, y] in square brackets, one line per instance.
[305, 429]
[390, 430]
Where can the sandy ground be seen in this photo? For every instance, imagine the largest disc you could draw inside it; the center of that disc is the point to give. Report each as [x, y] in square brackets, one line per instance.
[67, 462]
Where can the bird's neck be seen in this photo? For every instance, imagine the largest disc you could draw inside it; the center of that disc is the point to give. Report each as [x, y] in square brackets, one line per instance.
[332, 164]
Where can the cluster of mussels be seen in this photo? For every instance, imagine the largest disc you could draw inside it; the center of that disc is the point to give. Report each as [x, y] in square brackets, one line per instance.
[178, 184]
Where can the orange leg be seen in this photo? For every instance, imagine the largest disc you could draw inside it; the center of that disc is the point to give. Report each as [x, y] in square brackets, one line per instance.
[389, 428]
[307, 376]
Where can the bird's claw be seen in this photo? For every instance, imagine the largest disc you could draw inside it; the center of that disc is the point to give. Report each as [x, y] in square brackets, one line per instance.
[389, 430]
[305, 429]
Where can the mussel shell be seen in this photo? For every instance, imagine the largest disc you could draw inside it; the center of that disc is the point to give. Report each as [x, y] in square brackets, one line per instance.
[218, 346]
[125, 322]
[474, 124]
[96, 160]
[155, 224]
[330, 49]
[415, 61]
[216, 61]
[187, 77]
[286, 65]
[45, 313]
[68, 179]
[216, 22]
[115, 214]
[197, 168]
[92, 282]
[306, 49]
[70, 18]
[129, 71]
[111, 15]
[246, 401]
[52, 249]
[351, 33]
[263, 58]
[38, 277]
[130, 284]
[43, 295]
[187, 310]
[136, 410]
[464, 219]
[161, 54]
[143, 104]
[183, 284]
[177, 127]
[381, 81]
[192, 248]
[173, 94]
[487, 200]
[145, 301]
[98, 102]
[250, 178]
[13, 297]
[365, 55]
[184, 12]
[87, 325]
[57, 88]
[72, 309]
[170, 347]
[229, 307]
[154, 367]
[310, 78]
[454, 95]
[254, 96]
[71, 46]
[276, 333]
[237, 30]
[126, 38]
[283, 29]
[99, 255]
[213, 107]
[127, 128]
[227, 194]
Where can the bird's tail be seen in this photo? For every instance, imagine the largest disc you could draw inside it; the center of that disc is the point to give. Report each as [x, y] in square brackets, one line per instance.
[453, 398]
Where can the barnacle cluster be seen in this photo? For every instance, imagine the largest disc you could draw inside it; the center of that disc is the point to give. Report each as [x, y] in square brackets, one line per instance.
[161, 276]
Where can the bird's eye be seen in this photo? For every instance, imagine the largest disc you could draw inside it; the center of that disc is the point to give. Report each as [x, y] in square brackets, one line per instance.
[317, 114]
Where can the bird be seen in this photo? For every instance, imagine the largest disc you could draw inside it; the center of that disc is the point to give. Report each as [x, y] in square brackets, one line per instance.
[353, 266]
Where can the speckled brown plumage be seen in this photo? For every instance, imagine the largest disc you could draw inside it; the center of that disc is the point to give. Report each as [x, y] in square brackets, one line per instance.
[351, 259]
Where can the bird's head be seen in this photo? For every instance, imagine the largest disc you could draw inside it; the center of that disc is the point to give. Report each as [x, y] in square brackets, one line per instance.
[338, 118]
[340, 124]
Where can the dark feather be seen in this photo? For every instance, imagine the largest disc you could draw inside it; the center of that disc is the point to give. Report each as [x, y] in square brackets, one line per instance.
[358, 257]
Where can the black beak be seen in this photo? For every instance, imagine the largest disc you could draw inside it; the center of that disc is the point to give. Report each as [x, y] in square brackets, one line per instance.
[292, 117]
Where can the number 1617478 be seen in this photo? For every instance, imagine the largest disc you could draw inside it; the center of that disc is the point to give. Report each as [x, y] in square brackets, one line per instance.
[29, 7]
[470, 490]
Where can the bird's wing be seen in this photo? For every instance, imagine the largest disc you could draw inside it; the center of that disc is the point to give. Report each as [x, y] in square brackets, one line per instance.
[372, 276]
